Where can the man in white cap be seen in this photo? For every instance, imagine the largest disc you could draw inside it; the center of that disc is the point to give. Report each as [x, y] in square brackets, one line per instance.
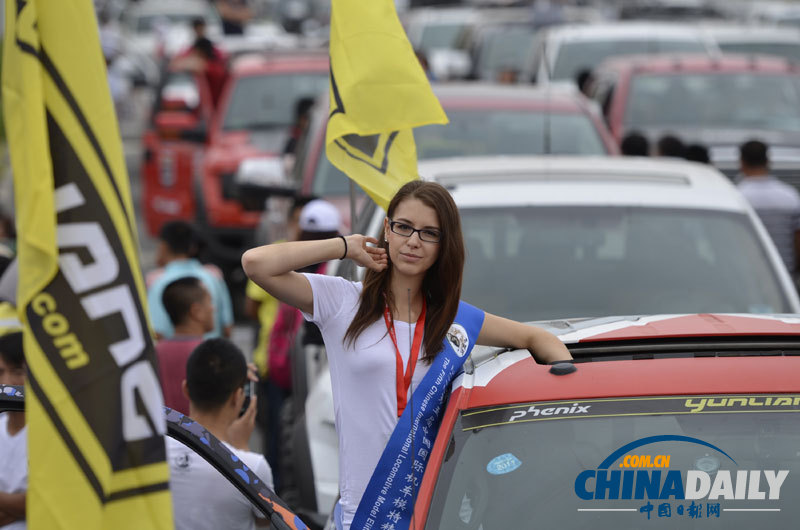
[318, 220]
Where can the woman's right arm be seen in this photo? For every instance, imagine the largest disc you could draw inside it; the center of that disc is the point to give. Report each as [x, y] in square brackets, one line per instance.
[272, 266]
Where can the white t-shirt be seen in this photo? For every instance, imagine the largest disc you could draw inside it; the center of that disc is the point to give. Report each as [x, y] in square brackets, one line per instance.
[13, 464]
[778, 207]
[202, 498]
[363, 377]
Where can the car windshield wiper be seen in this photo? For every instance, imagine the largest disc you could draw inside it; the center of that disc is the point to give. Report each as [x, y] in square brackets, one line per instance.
[264, 125]
[254, 126]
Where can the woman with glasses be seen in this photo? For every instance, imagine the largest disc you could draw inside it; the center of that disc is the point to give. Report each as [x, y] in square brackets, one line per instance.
[396, 339]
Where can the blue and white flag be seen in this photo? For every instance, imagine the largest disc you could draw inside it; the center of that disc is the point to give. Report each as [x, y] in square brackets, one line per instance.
[388, 501]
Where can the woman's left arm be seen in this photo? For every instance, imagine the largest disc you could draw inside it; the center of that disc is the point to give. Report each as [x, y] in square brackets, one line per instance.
[543, 345]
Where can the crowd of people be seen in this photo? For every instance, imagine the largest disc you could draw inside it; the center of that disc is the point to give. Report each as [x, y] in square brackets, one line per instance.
[189, 302]
[637, 144]
[203, 374]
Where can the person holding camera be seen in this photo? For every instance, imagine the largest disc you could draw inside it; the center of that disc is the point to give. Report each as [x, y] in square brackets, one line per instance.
[216, 373]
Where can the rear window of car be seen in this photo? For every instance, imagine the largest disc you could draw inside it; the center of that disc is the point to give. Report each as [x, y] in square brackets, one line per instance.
[743, 100]
[436, 36]
[545, 262]
[573, 57]
[720, 461]
[488, 132]
[509, 132]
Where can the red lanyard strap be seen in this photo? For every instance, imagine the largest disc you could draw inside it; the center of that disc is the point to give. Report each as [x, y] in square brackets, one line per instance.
[404, 380]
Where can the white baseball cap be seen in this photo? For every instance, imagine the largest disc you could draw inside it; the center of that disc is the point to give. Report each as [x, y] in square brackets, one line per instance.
[319, 216]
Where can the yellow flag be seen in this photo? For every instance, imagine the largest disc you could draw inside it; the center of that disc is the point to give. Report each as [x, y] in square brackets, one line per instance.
[378, 94]
[93, 401]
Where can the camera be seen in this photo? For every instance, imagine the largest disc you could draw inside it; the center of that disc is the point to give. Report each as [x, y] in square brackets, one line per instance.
[249, 388]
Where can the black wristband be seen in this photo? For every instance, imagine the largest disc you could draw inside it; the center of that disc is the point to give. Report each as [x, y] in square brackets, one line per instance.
[345, 247]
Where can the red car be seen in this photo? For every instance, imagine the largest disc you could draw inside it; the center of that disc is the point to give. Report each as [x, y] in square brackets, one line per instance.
[484, 120]
[688, 421]
[193, 150]
[719, 101]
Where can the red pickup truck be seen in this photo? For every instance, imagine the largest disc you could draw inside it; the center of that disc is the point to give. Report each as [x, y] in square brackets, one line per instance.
[193, 149]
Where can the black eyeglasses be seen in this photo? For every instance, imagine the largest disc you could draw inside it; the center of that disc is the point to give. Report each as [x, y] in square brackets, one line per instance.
[406, 230]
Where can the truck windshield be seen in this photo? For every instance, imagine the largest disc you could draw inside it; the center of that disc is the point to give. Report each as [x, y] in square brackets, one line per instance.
[268, 101]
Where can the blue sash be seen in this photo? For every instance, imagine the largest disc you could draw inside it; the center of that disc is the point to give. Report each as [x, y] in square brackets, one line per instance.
[388, 501]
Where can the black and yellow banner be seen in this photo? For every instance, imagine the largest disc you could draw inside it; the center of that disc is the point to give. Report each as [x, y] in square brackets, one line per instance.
[378, 94]
[94, 405]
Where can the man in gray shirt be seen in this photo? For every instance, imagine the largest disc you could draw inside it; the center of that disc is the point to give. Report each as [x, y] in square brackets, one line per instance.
[777, 203]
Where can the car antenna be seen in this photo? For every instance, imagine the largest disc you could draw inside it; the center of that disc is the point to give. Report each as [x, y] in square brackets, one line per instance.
[546, 147]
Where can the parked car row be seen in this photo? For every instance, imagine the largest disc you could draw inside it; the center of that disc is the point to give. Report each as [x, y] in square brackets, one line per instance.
[686, 94]
[600, 250]
[719, 101]
[484, 120]
[560, 238]
[198, 156]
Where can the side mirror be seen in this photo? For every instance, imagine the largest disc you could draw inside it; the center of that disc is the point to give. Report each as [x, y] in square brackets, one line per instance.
[257, 179]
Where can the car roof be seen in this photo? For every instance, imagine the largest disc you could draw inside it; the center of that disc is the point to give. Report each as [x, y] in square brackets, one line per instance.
[441, 15]
[727, 33]
[277, 61]
[623, 31]
[774, 10]
[583, 181]
[476, 95]
[150, 7]
[602, 329]
[694, 62]
[496, 377]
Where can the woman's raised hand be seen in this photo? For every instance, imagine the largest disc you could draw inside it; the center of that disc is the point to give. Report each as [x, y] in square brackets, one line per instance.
[365, 255]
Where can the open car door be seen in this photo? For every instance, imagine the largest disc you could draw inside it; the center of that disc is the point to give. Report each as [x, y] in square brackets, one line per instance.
[205, 444]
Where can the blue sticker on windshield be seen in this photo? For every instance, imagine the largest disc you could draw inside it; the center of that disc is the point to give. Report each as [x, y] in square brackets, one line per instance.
[503, 464]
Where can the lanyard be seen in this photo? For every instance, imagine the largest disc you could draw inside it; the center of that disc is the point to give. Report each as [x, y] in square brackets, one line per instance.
[404, 380]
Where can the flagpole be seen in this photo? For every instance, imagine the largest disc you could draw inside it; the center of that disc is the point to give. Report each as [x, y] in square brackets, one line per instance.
[352, 206]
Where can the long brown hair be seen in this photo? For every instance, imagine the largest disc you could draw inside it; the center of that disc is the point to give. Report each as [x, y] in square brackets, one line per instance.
[441, 286]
